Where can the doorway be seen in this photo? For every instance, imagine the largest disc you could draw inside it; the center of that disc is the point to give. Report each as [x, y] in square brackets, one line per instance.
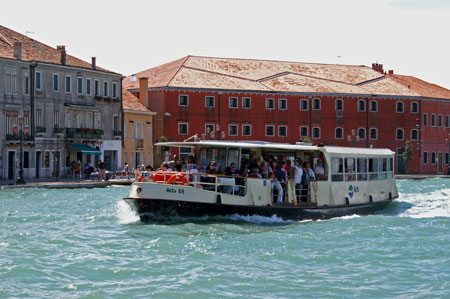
[56, 164]
[11, 165]
[38, 164]
[401, 164]
[440, 163]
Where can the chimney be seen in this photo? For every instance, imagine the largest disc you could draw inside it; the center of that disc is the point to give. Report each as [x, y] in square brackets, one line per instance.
[391, 72]
[143, 91]
[62, 50]
[18, 50]
[94, 63]
[377, 67]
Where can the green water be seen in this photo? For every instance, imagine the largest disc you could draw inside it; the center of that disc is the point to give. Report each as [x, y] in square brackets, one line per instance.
[88, 244]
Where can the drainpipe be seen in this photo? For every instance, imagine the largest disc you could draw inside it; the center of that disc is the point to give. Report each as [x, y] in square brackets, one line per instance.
[33, 66]
[367, 123]
[220, 93]
[121, 111]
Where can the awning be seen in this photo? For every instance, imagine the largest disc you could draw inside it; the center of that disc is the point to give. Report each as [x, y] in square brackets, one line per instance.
[85, 149]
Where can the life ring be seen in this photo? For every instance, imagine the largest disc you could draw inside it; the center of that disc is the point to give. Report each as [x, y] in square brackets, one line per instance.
[178, 178]
[139, 179]
[157, 177]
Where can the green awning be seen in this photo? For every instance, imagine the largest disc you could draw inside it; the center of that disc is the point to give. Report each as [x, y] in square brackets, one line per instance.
[85, 149]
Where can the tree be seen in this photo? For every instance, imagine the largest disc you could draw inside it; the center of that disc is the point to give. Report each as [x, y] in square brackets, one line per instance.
[407, 154]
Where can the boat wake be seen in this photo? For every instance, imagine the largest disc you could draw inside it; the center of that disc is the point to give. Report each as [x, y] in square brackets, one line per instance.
[431, 204]
[125, 214]
[257, 219]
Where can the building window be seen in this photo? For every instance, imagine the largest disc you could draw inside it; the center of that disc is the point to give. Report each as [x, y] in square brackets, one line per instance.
[246, 103]
[96, 88]
[106, 89]
[339, 105]
[316, 133]
[361, 105]
[282, 104]
[303, 104]
[114, 87]
[26, 159]
[38, 81]
[270, 130]
[303, 131]
[26, 84]
[183, 100]
[11, 80]
[447, 121]
[373, 133]
[447, 158]
[88, 87]
[425, 157]
[433, 120]
[399, 134]
[246, 130]
[233, 102]
[433, 158]
[414, 134]
[209, 128]
[38, 117]
[56, 118]
[425, 119]
[116, 124]
[414, 107]
[270, 105]
[68, 84]
[400, 107]
[46, 159]
[373, 106]
[55, 82]
[150, 131]
[183, 129]
[79, 85]
[440, 121]
[132, 130]
[282, 131]
[362, 133]
[209, 101]
[232, 130]
[339, 133]
[316, 104]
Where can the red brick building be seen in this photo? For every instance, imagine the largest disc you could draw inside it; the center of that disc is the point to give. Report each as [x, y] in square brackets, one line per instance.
[288, 101]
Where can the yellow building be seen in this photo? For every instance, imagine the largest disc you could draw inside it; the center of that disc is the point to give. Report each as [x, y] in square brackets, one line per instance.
[138, 130]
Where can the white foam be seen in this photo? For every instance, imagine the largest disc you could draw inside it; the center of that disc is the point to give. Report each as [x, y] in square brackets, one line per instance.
[427, 205]
[348, 217]
[125, 214]
[258, 219]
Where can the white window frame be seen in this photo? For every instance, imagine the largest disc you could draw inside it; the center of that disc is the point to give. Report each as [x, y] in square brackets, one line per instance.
[357, 106]
[210, 125]
[426, 119]
[106, 89]
[273, 103]
[249, 100]
[335, 131]
[320, 104]
[230, 99]
[370, 135]
[397, 105]
[115, 92]
[301, 105]
[433, 120]
[300, 131]
[36, 81]
[336, 105]
[206, 102]
[68, 86]
[179, 100]
[88, 84]
[412, 107]
[312, 132]
[243, 130]
[233, 126]
[273, 130]
[26, 84]
[417, 134]
[187, 128]
[79, 79]
[365, 134]
[376, 106]
[396, 134]
[282, 126]
[280, 101]
[97, 89]
[53, 82]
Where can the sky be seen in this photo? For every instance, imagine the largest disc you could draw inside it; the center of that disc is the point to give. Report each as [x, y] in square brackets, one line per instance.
[410, 37]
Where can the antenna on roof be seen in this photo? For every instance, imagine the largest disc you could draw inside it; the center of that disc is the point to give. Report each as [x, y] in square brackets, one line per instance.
[338, 57]
[29, 32]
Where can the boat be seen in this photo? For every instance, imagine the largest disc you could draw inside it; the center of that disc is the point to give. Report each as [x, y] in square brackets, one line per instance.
[355, 181]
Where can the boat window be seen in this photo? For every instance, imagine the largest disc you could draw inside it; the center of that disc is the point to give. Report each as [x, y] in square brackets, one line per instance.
[373, 168]
[390, 168]
[350, 169]
[362, 169]
[206, 155]
[382, 168]
[233, 156]
[337, 169]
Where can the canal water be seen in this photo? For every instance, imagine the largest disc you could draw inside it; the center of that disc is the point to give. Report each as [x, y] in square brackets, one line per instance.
[88, 244]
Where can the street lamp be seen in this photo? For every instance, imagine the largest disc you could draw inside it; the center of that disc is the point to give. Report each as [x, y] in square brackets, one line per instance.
[20, 179]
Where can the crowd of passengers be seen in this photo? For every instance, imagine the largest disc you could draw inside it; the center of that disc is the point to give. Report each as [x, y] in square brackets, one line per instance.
[279, 169]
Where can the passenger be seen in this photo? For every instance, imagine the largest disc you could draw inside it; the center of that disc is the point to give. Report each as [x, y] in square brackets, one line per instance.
[178, 167]
[234, 170]
[149, 168]
[282, 175]
[165, 167]
[255, 173]
[173, 162]
[298, 175]
[275, 184]
[265, 169]
[221, 170]
[319, 171]
[125, 169]
[211, 179]
[190, 163]
[308, 175]
[196, 178]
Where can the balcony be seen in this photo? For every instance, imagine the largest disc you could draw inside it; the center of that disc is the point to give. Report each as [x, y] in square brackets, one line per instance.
[139, 143]
[16, 137]
[75, 133]
[58, 130]
[117, 134]
[40, 130]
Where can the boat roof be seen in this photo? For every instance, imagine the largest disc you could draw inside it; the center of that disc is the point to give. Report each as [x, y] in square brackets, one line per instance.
[281, 146]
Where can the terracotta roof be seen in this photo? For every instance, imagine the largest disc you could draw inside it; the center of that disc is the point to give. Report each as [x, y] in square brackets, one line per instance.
[282, 76]
[34, 50]
[131, 102]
